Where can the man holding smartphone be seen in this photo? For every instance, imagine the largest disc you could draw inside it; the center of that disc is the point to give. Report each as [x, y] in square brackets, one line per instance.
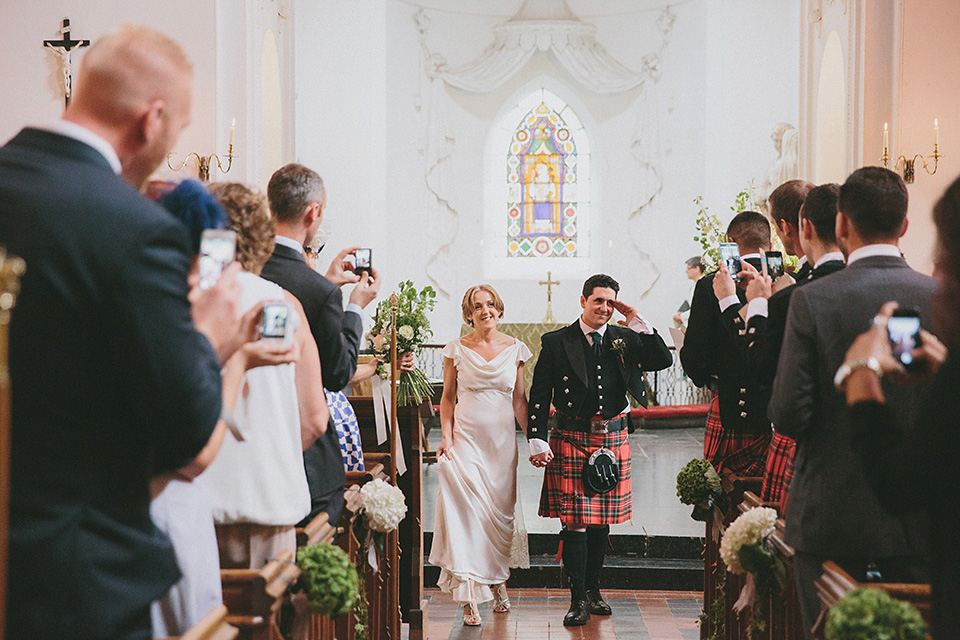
[833, 513]
[737, 427]
[297, 199]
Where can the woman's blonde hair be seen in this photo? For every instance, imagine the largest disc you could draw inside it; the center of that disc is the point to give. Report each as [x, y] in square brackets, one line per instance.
[250, 217]
[467, 305]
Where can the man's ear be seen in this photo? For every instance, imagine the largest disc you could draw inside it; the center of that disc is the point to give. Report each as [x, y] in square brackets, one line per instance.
[311, 213]
[151, 123]
[583, 302]
[842, 226]
[906, 223]
[806, 229]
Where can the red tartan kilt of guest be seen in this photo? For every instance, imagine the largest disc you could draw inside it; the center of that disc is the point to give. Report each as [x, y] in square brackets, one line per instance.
[564, 496]
[779, 468]
[744, 454]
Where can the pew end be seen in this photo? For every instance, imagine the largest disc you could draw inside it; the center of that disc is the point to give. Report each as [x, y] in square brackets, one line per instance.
[213, 626]
[253, 597]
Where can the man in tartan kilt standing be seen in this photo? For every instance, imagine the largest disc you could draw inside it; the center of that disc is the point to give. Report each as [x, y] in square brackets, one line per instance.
[585, 370]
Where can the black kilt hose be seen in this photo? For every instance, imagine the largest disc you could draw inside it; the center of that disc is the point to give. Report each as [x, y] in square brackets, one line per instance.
[563, 495]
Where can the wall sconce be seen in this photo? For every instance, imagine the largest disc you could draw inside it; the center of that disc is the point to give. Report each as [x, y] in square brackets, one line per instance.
[205, 162]
[908, 170]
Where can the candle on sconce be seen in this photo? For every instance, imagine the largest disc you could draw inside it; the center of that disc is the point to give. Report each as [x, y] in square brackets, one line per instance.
[936, 133]
[886, 138]
[233, 124]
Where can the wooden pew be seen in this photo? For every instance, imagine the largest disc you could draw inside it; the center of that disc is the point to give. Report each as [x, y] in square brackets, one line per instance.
[834, 583]
[413, 607]
[253, 597]
[722, 514]
[213, 626]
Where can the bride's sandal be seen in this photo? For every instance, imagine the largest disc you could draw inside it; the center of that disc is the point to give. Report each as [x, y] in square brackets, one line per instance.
[501, 598]
[471, 614]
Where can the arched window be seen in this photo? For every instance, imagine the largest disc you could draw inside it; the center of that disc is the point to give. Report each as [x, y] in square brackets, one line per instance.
[547, 190]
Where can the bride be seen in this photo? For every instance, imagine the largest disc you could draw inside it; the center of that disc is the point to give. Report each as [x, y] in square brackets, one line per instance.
[483, 392]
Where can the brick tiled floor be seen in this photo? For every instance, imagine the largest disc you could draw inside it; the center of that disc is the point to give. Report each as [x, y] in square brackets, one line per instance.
[537, 614]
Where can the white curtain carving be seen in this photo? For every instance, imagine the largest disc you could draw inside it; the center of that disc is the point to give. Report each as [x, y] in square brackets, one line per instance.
[548, 26]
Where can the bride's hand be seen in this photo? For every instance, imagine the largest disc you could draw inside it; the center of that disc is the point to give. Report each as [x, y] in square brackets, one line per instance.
[443, 448]
[541, 459]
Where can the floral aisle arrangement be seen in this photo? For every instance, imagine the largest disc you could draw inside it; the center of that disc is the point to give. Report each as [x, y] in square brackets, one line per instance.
[746, 548]
[328, 578]
[413, 330]
[698, 484]
[383, 507]
[869, 614]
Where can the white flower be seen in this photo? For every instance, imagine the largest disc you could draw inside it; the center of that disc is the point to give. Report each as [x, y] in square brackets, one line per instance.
[379, 342]
[750, 528]
[406, 331]
[384, 505]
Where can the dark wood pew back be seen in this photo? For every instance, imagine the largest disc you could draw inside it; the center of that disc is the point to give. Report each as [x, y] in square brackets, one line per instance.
[253, 597]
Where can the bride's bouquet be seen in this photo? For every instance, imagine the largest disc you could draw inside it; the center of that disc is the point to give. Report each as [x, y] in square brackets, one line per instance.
[413, 330]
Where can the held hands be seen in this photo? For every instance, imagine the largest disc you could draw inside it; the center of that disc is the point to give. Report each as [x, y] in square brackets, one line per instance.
[541, 459]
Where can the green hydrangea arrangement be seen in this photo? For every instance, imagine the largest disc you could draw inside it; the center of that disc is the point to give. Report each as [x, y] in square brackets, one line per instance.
[328, 578]
[698, 484]
[871, 614]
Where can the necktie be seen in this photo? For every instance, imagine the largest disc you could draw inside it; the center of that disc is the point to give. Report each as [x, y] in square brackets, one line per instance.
[597, 343]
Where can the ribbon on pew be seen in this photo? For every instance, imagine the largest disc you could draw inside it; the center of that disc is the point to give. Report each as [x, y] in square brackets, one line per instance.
[383, 416]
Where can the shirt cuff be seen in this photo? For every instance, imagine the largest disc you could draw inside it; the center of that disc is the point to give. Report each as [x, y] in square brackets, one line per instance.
[538, 446]
[639, 325]
[353, 307]
[728, 302]
[757, 307]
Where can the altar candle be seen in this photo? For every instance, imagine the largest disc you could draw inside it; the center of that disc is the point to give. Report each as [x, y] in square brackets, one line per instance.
[233, 124]
[936, 133]
[886, 138]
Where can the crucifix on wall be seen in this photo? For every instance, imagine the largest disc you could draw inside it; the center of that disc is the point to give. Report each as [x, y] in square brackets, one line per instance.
[62, 48]
[548, 318]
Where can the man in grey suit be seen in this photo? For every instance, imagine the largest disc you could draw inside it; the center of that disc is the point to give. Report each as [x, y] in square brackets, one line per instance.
[833, 513]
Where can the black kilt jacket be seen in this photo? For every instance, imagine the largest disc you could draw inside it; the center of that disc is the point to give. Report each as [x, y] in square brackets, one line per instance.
[569, 376]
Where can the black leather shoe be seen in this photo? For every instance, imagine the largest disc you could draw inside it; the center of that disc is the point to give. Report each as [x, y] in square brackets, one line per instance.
[596, 604]
[578, 614]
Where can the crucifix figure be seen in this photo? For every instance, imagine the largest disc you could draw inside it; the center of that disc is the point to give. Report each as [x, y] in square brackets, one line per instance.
[62, 48]
[549, 319]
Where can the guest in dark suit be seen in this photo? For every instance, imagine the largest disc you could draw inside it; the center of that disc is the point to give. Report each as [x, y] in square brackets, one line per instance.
[111, 381]
[738, 430]
[833, 514]
[766, 317]
[297, 199]
[585, 370]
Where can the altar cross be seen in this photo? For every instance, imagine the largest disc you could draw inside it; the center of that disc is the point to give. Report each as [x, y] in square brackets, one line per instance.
[62, 48]
[549, 319]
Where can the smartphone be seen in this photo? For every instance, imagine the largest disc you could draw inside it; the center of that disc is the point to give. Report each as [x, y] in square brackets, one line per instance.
[218, 248]
[363, 260]
[730, 254]
[903, 330]
[274, 321]
[774, 264]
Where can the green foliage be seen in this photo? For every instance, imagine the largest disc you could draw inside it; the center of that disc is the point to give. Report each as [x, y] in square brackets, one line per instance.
[698, 483]
[871, 614]
[328, 578]
[710, 233]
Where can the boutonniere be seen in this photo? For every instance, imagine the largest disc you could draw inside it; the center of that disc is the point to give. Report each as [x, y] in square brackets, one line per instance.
[619, 347]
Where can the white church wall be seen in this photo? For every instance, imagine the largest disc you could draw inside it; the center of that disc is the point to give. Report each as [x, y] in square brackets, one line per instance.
[28, 72]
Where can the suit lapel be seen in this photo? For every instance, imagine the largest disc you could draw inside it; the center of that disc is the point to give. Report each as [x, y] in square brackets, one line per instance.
[572, 339]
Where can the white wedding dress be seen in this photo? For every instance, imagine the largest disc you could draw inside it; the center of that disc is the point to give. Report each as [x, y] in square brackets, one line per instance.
[476, 536]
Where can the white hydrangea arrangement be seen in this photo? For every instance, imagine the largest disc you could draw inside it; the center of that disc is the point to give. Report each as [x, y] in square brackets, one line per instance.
[383, 505]
[751, 528]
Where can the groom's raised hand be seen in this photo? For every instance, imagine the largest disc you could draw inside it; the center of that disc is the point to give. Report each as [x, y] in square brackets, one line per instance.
[629, 313]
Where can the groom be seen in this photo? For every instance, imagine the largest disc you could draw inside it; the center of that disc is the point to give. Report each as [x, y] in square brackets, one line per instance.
[585, 371]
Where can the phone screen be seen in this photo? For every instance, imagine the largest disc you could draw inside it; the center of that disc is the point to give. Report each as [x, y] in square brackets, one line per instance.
[774, 264]
[904, 333]
[218, 248]
[363, 260]
[275, 320]
[730, 254]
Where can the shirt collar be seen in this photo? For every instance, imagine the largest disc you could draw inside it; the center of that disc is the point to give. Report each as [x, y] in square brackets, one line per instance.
[827, 257]
[802, 260]
[871, 250]
[290, 243]
[89, 138]
[587, 329]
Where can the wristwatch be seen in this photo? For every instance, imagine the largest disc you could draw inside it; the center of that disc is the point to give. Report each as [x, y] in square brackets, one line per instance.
[840, 380]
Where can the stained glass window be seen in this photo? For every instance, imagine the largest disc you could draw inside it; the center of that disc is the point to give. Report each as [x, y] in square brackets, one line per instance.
[542, 187]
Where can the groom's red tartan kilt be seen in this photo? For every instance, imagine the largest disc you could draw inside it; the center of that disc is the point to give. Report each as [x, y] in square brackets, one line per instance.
[564, 496]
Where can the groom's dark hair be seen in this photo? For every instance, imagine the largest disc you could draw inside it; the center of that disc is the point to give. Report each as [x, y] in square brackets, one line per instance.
[599, 280]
